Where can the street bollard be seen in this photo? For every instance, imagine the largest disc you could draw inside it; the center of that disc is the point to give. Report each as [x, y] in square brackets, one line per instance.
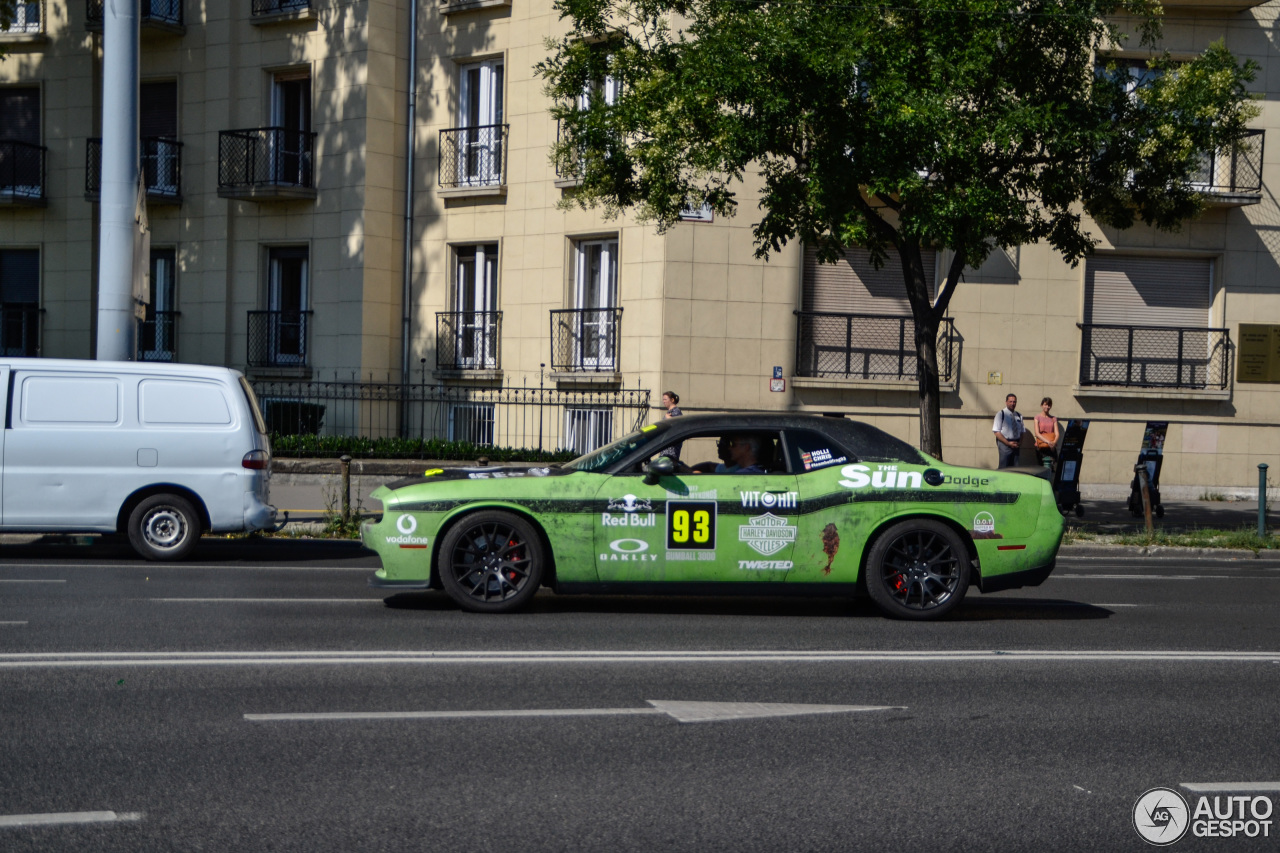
[1141, 470]
[346, 488]
[1262, 500]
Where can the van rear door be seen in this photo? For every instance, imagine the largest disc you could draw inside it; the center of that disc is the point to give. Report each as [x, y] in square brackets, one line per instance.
[6, 400]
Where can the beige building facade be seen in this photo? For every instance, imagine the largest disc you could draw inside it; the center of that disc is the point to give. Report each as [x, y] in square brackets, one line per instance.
[276, 152]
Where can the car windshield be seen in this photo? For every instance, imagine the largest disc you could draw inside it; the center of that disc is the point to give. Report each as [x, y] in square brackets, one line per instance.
[602, 457]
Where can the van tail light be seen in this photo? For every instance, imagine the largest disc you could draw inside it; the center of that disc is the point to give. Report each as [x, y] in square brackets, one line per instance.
[256, 460]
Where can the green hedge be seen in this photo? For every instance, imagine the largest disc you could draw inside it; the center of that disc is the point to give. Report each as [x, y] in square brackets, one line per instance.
[357, 447]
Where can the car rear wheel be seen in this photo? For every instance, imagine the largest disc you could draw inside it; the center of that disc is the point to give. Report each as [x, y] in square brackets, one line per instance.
[491, 562]
[164, 527]
[918, 569]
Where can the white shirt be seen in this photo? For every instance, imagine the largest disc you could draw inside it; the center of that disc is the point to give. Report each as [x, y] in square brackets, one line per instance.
[1008, 424]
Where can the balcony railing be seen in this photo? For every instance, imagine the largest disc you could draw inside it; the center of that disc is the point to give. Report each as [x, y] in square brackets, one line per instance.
[20, 329]
[468, 340]
[158, 336]
[278, 338]
[161, 167]
[1232, 172]
[28, 19]
[473, 156]
[266, 161]
[21, 172]
[585, 340]
[279, 7]
[567, 172]
[166, 12]
[1155, 357]
[868, 347]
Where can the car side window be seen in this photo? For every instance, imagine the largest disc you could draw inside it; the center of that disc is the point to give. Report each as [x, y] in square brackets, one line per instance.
[725, 451]
[811, 451]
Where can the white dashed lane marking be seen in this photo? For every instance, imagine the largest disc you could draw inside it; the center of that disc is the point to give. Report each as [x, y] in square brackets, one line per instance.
[56, 818]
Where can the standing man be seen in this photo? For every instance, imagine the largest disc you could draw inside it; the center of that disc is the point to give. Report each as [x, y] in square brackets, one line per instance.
[1008, 429]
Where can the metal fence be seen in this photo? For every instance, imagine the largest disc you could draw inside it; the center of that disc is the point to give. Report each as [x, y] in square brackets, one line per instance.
[473, 156]
[468, 340]
[22, 169]
[162, 11]
[278, 338]
[161, 159]
[1231, 171]
[266, 156]
[1155, 356]
[158, 336]
[20, 329]
[868, 346]
[272, 7]
[28, 18]
[585, 339]
[523, 417]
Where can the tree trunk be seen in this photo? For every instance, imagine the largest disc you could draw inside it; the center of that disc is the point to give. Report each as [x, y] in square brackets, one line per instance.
[926, 323]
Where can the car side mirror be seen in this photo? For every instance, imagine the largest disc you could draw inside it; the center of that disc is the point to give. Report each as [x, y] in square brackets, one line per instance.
[661, 466]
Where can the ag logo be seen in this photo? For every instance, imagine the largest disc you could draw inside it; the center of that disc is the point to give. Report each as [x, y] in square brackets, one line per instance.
[406, 524]
[1161, 817]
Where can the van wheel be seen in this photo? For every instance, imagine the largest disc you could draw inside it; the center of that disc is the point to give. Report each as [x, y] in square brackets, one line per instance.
[164, 527]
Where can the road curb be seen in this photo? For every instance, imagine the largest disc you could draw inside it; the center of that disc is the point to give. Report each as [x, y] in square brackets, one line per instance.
[1165, 552]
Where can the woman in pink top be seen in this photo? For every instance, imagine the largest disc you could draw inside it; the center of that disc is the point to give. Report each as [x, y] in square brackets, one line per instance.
[1046, 435]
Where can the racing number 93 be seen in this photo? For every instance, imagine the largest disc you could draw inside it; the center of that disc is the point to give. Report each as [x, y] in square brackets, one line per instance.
[691, 525]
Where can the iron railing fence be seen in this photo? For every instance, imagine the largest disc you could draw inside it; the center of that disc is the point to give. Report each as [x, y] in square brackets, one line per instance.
[161, 166]
[20, 329]
[28, 18]
[266, 156]
[158, 336]
[468, 340]
[869, 347]
[161, 11]
[22, 169]
[1155, 356]
[585, 339]
[272, 7]
[1231, 171]
[278, 338]
[473, 156]
[519, 417]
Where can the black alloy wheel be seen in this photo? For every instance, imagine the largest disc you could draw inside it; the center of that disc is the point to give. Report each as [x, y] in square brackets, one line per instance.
[918, 569]
[491, 562]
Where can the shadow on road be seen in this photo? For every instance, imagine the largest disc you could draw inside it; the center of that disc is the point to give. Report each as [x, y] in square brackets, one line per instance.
[211, 549]
[1027, 609]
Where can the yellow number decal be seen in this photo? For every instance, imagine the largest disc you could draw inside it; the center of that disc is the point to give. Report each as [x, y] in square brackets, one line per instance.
[701, 526]
[680, 526]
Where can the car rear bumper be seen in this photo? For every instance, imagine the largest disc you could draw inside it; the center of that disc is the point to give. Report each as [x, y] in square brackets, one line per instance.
[1014, 580]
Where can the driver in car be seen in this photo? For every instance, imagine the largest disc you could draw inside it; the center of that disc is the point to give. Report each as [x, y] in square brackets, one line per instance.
[739, 454]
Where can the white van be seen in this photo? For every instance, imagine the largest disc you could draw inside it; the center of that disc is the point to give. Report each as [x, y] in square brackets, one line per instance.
[158, 452]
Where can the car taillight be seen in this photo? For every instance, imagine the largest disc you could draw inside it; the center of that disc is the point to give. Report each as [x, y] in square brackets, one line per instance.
[256, 460]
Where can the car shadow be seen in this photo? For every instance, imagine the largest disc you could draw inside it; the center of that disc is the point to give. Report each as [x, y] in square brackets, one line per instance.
[1027, 609]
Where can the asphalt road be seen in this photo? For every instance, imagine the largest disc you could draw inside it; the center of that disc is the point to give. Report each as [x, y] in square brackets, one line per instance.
[142, 711]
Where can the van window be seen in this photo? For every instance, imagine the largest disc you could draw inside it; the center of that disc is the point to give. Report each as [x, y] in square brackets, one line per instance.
[183, 403]
[70, 400]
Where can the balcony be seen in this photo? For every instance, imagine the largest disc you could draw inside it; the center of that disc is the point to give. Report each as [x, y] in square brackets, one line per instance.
[473, 161]
[468, 340]
[875, 349]
[163, 16]
[161, 169]
[20, 329]
[278, 339]
[1233, 178]
[585, 340]
[22, 174]
[27, 24]
[272, 11]
[158, 336]
[1155, 357]
[266, 164]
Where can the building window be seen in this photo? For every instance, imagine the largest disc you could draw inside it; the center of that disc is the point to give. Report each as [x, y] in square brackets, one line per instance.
[586, 429]
[475, 322]
[20, 302]
[158, 331]
[21, 155]
[158, 130]
[26, 18]
[592, 342]
[290, 141]
[472, 422]
[479, 135]
[278, 335]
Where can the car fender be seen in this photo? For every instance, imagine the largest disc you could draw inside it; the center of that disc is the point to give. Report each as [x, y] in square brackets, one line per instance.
[887, 522]
[458, 513]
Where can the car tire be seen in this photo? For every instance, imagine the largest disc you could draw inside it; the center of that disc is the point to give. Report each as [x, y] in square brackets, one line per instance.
[491, 562]
[918, 569]
[164, 528]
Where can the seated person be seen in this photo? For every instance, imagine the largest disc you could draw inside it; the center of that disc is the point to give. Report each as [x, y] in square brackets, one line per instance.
[739, 454]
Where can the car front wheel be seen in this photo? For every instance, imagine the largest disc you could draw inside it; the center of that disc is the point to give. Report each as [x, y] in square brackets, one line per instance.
[164, 527]
[491, 562]
[918, 569]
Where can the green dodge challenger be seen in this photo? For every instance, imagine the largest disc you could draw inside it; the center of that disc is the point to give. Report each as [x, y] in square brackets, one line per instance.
[797, 503]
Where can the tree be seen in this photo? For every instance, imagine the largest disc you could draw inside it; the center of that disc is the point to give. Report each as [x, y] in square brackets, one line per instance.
[956, 124]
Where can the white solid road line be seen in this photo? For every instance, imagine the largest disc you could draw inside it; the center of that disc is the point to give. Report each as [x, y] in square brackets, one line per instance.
[30, 580]
[155, 568]
[684, 712]
[271, 600]
[50, 660]
[13, 623]
[1154, 577]
[67, 817]
[1230, 787]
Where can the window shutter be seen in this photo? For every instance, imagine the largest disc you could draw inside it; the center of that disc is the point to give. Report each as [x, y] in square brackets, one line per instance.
[158, 109]
[1136, 291]
[854, 286]
[20, 276]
